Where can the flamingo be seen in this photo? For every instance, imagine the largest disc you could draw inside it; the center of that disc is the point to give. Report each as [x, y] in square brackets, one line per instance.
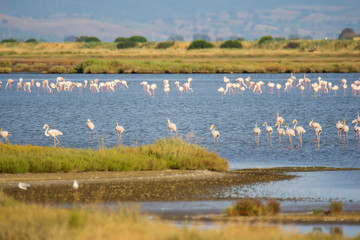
[318, 131]
[339, 126]
[358, 118]
[90, 125]
[290, 132]
[299, 130]
[53, 133]
[215, 134]
[280, 131]
[268, 130]
[345, 129]
[279, 119]
[222, 90]
[314, 125]
[257, 132]
[4, 134]
[153, 88]
[9, 81]
[356, 129]
[172, 127]
[119, 129]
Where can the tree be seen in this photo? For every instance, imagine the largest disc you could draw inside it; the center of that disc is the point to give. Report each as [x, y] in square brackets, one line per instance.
[128, 43]
[294, 37]
[231, 44]
[138, 39]
[87, 39]
[120, 39]
[9, 40]
[31, 40]
[265, 39]
[199, 44]
[347, 33]
[176, 38]
[164, 45]
[200, 36]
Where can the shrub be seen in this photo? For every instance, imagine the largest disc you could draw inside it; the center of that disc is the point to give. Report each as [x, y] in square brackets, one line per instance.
[87, 39]
[31, 40]
[120, 39]
[5, 70]
[57, 69]
[336, 208]
[292, 45]
[253, 207]
[138, 39]
[164, 45]
[200, 44]
[265, 39]
[128, 43]
[231, 44]
[9, 40]
[22, 66]
[5, 64]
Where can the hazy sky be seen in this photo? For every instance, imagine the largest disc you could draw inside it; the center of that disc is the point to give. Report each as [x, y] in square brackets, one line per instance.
[53, 20]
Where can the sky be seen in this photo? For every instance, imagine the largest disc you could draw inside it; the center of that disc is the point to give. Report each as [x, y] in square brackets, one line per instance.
[53, 20]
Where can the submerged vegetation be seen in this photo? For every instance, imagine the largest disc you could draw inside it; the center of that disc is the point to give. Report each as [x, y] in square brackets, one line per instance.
[129, 56]
[31, 221]
[168, 153]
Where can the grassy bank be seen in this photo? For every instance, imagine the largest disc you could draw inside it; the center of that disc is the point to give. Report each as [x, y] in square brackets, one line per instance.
[30, 221]
[276, 56]
[163, 154]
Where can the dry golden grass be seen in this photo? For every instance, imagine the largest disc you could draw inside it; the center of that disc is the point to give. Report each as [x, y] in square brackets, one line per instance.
[31, 221]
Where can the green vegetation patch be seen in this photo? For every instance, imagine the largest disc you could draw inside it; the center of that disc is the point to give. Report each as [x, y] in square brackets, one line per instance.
[253, 207]
[168, 153]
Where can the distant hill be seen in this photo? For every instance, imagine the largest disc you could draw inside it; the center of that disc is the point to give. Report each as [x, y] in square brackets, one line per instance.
[157, 20]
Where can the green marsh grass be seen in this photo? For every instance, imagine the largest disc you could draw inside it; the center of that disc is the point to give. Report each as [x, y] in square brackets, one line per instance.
[253, 207]
[33, 221]
[164, 153]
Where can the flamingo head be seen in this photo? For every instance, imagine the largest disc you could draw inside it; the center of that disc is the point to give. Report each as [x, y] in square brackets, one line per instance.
[117, 124]
[89, 120]
[265, 123]
[169, 121]
[294, 121]
[212, 127]
[286, 125]
[45, 126]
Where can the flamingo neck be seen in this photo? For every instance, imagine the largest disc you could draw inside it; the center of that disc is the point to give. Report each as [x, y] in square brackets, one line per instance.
[46, 131]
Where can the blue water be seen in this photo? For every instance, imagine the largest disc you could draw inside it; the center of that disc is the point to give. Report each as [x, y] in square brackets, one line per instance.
[145, 117]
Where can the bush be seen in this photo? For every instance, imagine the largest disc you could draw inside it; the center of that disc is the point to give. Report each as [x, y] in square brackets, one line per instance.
[120, 39]
[5, 64]
[5, 70]
[9, 40]
[164, 45]
[265, 39]
[138, 39]
[200, 44]
[231, 44]
[253, 207]
[57, 69]
[336, 208]
[128, 43]
[292, 45]
[87, 39]
[31, 40]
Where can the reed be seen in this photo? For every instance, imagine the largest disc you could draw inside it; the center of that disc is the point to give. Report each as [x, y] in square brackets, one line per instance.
[164, 153]
[253, 207]
[33, 221]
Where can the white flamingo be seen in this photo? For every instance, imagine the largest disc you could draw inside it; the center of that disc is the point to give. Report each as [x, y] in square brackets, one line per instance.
[53, 133]
[215, 134]
[119, 129]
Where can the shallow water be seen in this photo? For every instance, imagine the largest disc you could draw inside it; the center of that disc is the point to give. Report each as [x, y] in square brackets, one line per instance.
[145, 118]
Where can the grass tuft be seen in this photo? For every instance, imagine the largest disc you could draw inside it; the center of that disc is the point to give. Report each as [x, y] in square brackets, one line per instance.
[253, 207]
[168, 153]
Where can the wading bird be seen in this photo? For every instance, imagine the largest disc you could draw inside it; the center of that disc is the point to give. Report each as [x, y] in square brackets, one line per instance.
[215, 134]
[339, 126]
[119, 129]
[345, 129]
[90, 125]
[4, 134]
[53, 133]
[268, 130]
[257, 132]
[290, 132]
[172, 127]
[280, 131]
[279, 119]
[299, 130]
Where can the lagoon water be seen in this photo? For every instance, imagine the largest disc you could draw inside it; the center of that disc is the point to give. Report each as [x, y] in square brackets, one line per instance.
[145, 117]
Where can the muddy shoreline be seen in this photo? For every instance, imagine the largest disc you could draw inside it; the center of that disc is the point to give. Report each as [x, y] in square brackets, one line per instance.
[165, 185]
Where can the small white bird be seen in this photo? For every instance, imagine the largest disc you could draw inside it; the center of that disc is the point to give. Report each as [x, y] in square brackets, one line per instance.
[23, 186]
[75, 185]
